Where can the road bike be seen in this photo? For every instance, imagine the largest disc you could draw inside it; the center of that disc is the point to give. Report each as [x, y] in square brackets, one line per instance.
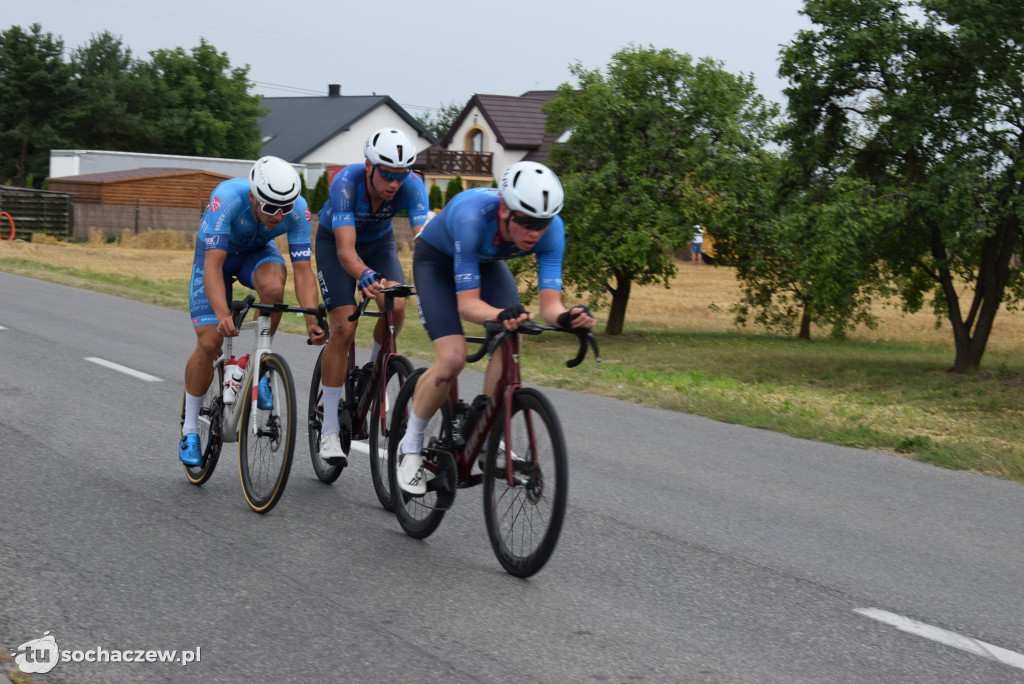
[368, 394]
[266, 437]
[524, 505]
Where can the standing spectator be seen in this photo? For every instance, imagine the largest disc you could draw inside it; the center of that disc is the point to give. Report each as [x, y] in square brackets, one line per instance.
[696, 245]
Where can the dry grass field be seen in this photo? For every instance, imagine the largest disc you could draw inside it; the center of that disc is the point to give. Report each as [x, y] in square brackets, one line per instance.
[697, 300]
[884, 389]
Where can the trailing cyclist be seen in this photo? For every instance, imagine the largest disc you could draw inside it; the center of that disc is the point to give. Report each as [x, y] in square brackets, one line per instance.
[355, 248]
[459, 270]
[236, 241]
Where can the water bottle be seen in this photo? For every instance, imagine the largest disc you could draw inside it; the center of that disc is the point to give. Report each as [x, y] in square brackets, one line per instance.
[234, 371]
[229, 368]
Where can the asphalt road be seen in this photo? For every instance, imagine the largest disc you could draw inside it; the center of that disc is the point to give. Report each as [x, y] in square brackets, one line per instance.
[693, 551]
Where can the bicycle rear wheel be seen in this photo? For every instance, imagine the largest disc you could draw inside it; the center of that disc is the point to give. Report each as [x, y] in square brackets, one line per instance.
[398, 371]
[326, 472]
[265, 458]
[209, 429]
[524, 519]
[419, 516]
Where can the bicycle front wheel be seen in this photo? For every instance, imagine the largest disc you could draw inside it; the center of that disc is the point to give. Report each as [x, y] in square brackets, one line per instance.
[266, 438]
[419, 516]
[524, 518]
[325, 472]
[398, 371]
[209, 429]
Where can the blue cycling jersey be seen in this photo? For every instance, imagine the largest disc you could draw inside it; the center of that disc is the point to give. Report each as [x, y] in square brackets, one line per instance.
[349, 205]
[229, 223]
[467, 230]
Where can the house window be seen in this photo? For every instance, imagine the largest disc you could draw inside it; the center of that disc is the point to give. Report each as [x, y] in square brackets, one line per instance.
[475, 141]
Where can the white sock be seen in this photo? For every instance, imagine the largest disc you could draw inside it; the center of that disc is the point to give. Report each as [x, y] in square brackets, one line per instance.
[375, 351]
[332, 396]
[413, 440]
[193, 405]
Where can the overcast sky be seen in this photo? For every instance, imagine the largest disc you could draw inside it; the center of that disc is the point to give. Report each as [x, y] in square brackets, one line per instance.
[425, 54]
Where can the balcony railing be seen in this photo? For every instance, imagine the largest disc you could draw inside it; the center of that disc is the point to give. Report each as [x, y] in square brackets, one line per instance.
[451, 163]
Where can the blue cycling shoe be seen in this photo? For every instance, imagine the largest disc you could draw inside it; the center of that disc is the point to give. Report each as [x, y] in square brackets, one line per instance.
[265, 398]
[189, 451]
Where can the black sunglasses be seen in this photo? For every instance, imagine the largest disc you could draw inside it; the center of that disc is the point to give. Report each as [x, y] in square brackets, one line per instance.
[272, 209]
[390, 176]
[531, 222]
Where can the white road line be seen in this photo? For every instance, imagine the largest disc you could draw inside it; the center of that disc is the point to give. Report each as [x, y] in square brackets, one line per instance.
[946, 637]
[124, 369]
[2, 328]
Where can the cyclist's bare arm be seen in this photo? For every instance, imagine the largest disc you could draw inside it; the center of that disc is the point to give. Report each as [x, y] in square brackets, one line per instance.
[213, 283]
[476, 310]
[308, 295]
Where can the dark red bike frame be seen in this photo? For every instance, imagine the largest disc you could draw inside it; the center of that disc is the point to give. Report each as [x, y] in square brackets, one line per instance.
[508, 382]
[360, 426]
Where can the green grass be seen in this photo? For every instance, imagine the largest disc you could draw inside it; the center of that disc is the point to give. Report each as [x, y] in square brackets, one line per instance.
[893, 396]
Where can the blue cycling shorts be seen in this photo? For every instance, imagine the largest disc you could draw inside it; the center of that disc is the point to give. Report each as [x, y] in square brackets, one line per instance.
[337, 285]
[434, 274]
[241, 266]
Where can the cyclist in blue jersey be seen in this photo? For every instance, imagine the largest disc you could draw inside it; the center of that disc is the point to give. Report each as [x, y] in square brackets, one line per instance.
[460, 273]
[355, 248]
[236, 241]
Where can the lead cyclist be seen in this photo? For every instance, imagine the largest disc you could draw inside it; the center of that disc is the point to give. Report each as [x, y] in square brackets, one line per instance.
[236, 242]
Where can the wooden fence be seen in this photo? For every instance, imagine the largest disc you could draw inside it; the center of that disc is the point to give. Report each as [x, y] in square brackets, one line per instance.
[38, 211]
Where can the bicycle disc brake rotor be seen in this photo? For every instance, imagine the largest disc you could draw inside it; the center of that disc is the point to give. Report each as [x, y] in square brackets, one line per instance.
[534, 482]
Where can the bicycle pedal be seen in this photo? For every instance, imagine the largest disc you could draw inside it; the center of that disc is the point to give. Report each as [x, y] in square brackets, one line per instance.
[336, 461]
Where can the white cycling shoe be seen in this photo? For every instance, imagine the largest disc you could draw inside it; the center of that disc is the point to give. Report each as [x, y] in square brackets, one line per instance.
[331, 451]
[411, 478]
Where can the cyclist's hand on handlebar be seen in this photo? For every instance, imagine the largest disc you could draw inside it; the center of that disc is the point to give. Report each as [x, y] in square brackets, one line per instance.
[512, 316]
[316, 334]
[578, 316]
[226, 326]
[370, 283]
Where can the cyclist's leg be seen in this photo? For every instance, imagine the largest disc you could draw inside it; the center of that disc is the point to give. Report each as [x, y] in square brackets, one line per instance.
[268, 276]
[199, 368]
[439, 312]
[337, 287]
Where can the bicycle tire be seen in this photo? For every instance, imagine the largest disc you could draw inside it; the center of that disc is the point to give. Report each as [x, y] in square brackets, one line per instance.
[209, 429]
[325, 472]
[265, 459]
[419, 516]
[395, 376]
[524, 520]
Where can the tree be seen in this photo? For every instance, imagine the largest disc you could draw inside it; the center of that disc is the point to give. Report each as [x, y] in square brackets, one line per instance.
[453, 189]
[35, 85]
[207, 110]
[436, 197]
[657, 145]
[813, 260]
[321, 193]
[438, 123]
[926, 108]
[114, 108]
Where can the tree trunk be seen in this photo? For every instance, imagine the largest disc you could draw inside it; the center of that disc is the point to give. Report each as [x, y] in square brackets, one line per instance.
[805, 324]
[970, 334]
[620, 298]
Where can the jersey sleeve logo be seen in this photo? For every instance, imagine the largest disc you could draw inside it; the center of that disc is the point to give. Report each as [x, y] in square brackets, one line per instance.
[307, 213]
[215, 204]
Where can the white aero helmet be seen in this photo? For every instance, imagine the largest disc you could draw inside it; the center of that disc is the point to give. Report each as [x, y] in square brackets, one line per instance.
[390, 147]
[532, 189]
[272, 180]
